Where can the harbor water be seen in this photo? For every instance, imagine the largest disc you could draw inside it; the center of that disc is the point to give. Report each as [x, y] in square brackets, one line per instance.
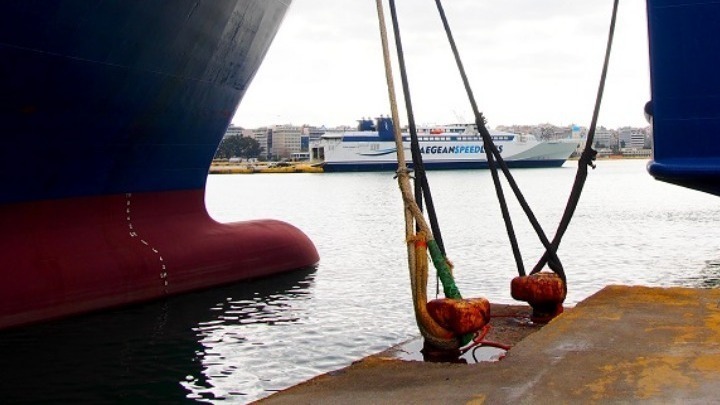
[242, 342]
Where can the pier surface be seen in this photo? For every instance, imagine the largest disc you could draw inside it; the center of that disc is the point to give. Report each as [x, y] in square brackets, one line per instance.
[621, 345]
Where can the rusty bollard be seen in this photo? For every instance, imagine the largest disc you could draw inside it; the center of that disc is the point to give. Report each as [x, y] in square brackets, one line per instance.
[544, 291]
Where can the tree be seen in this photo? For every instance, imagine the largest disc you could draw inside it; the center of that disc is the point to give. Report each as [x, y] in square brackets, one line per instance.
[238, 146]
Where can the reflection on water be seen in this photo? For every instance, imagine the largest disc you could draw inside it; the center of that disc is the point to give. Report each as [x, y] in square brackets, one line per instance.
[231, 352]
[708, 277]
[146, 353]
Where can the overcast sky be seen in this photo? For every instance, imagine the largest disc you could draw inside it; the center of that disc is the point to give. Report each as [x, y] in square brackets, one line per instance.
[528, 62]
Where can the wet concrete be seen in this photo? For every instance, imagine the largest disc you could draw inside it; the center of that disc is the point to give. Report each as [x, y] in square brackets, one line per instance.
[510, 324]
[621, 345]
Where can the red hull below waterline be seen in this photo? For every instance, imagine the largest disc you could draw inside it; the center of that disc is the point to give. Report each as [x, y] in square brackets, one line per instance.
[69, 256]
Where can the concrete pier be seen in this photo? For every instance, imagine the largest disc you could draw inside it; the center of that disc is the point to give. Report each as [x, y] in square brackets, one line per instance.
[621, 345]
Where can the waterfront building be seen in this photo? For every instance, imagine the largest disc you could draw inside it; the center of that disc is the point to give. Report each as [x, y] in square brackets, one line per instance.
[234, 130]
[636, 152]
[292, 142]
[604, 139]
[286, 140]
[262, 136]
[562, 133]
[631, 138]
[314, 133]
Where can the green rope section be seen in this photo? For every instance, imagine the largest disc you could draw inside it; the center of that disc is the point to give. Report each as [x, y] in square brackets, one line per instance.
[443, 270]
[447, 280]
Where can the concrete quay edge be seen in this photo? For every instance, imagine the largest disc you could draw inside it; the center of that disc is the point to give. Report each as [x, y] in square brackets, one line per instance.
[624, 344]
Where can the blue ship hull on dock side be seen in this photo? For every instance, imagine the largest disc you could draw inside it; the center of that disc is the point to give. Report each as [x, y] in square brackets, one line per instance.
[684, 42]
[112, 111]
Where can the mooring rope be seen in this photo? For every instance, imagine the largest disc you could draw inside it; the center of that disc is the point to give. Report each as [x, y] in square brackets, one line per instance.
[421, 180]
[493, 156]
[417, 243]
[586, 158]
[420, 235]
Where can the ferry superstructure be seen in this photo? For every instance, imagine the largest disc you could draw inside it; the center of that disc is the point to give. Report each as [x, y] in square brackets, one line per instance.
[372, 148]
[112, 111]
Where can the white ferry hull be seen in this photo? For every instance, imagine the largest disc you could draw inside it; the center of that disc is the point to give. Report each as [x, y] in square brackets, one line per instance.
[341, 155]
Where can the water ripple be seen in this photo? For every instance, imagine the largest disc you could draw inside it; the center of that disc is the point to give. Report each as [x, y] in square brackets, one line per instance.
[243, 342]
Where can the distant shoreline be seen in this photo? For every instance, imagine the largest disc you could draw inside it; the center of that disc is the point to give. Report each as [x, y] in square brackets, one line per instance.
[224, 167]
[614, 157]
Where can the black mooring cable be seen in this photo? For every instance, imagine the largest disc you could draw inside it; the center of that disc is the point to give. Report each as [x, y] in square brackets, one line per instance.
[586, 158]
[495, 159]
[493, 154]
[418, 165]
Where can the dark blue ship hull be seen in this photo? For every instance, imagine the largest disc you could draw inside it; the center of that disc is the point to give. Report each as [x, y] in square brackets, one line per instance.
[111, 113]
[106, 97]
[684, 40]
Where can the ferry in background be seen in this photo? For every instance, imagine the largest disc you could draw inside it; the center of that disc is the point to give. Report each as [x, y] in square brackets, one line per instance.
[112, 111]
[372, 148]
